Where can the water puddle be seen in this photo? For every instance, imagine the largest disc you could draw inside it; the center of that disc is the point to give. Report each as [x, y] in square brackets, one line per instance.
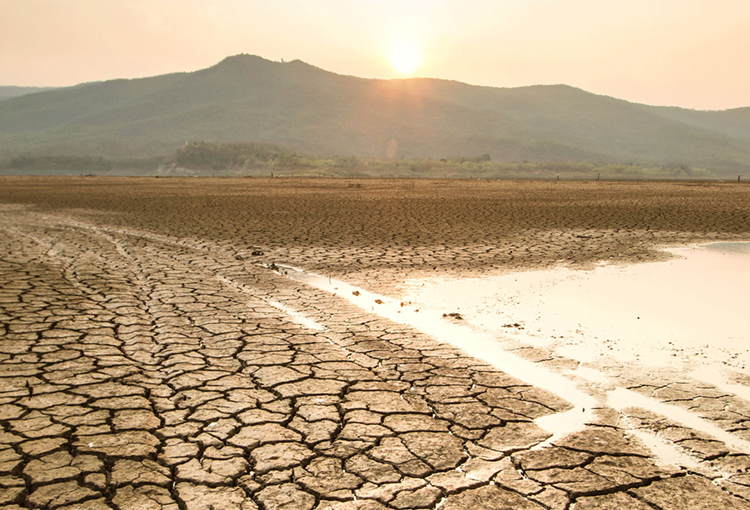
[720, 377]
[621, 399]
[294, 316]
[297, 317]
[476, 344]
[684, 313]
[665, 452]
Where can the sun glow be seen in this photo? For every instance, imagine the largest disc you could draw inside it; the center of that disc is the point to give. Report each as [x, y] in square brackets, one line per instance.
[405, 58]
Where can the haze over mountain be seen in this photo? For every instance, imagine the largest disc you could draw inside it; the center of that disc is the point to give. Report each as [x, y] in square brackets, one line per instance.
[11, 91]
[247, 98]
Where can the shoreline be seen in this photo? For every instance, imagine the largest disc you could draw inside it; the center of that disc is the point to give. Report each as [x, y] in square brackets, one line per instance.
[601, 390]
[584, 305]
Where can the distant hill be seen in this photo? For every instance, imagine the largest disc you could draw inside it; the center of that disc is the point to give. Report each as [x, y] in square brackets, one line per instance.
[249, 99]
[8, 92]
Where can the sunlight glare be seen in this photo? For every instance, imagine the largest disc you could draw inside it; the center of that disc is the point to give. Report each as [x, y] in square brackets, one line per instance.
[404, 58]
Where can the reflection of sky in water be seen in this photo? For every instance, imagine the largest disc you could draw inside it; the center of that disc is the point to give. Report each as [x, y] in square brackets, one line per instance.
[729, 247]
[646, 314]
[479, 344]
[685, 312]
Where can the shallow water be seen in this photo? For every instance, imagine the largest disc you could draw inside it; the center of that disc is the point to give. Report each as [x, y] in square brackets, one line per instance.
[690, 311]
[478, 344]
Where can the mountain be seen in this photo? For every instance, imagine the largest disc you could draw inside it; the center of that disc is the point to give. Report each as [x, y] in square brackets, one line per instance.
[247, 98]
[8, 92]
[734, 123]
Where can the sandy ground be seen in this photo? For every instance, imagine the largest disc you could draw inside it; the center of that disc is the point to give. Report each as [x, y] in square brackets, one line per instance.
[156, 352]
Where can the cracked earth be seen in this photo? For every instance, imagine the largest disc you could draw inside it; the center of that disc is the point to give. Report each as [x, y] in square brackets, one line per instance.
[143, 368]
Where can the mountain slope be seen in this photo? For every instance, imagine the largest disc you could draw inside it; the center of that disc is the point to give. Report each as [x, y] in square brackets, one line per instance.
[8, 92]
[734, 122]
[247, 98]
[619, 129]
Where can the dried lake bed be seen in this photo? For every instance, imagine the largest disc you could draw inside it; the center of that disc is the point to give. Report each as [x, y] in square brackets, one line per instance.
[248, 343]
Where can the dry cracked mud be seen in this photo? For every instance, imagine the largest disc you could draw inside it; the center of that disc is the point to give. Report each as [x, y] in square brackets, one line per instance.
[149, 361]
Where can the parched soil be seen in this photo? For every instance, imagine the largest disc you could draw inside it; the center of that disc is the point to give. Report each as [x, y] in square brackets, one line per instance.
[377, 229]
[150, 358]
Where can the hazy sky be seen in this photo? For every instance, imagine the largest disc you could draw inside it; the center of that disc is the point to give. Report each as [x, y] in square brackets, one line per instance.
[691, 53]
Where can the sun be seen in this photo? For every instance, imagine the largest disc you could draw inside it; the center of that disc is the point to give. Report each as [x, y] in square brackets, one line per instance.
[404, 58]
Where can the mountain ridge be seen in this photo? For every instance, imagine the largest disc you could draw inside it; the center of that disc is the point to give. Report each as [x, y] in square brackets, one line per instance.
[9, 91]
[295, 104]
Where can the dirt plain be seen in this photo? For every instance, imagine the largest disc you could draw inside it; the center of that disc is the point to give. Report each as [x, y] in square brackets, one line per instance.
[150, 358]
